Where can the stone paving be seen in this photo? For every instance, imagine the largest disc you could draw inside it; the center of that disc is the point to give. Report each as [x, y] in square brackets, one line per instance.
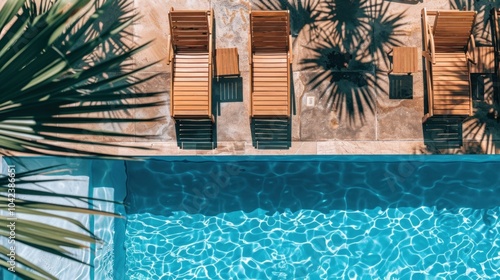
[338, 109]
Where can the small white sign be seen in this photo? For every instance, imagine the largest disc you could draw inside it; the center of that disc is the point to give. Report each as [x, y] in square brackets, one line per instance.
[310, 101]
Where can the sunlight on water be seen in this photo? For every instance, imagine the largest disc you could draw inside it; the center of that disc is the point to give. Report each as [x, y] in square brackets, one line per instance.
[403, 243]
[321, 218]
[104, 229]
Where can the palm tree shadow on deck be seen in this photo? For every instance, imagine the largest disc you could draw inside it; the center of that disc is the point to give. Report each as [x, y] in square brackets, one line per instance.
[74, 62]
[343, 78]
[483, 127]
[115, 45]
[344, 65]
[346, 21]
[304, 14]
[384, 26]
[119, 43]
[482, 31]
[407, 1]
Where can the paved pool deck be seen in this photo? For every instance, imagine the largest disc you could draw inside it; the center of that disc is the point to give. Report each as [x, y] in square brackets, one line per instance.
[336, 110]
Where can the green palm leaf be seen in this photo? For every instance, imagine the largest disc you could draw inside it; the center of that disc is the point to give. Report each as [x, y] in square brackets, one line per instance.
[55, 80]
[42, 236]
[54, 73]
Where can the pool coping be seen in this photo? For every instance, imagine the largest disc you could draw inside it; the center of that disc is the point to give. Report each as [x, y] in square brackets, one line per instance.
[330, 147]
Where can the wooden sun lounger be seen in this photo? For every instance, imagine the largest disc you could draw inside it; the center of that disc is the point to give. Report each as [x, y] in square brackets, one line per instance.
[448, 48]
[270, 58]
[191, 64]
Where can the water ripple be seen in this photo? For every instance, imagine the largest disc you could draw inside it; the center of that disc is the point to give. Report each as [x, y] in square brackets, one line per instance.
[403, 243]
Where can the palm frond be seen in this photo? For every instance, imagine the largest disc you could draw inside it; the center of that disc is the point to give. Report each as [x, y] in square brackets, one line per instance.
[32, 204]
[56, 69]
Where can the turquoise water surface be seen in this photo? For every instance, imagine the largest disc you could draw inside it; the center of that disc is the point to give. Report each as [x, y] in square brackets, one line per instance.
[313, 218]
[300, 217]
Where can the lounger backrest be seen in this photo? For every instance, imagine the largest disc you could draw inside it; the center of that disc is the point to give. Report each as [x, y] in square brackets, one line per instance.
[190, 30]
[452, 30]
[270, 31]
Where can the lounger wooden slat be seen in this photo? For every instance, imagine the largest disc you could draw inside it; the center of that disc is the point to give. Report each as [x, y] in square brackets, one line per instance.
[270, 80]
[191, 67]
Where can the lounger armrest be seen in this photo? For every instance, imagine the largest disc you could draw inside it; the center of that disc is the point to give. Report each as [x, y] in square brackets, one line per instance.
[169, 50]
[432, 48]
[290, 53]
[211, 53]
[210, 50]
[471, 48]
[427, 55]
[429, 47]
[250, 53]
[495, 29]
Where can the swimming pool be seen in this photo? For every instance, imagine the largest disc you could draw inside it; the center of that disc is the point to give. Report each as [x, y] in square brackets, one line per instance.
[305, 217]
[373, 217]
[87, 177]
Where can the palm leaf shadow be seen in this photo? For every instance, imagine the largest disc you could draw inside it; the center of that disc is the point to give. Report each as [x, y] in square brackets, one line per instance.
[484, 125]
[347, 81]
[62, 75]
[116, 11]
[345, 19]
[384, 26]
[482, 28]
[343, 62]
[304, 15]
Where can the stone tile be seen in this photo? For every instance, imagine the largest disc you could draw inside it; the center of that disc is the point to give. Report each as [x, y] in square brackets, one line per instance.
[234, 122]
[81, 147]
[115, 45]
[297, 104]
[153, 25]
[401, 119]
[230, 148]
[395, 126]
[233, 119]
[154, 149]
[324, 121]
[232, 23]
[223, 148]
[105, 126]
[126, 128]
[469, 147]
[370, 147]
[136, 149]
[303, 148]
[298, 148]
[163, 129]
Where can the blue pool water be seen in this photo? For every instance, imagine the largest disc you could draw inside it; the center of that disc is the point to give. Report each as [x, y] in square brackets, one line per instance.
[301, 217]
[313, 218]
